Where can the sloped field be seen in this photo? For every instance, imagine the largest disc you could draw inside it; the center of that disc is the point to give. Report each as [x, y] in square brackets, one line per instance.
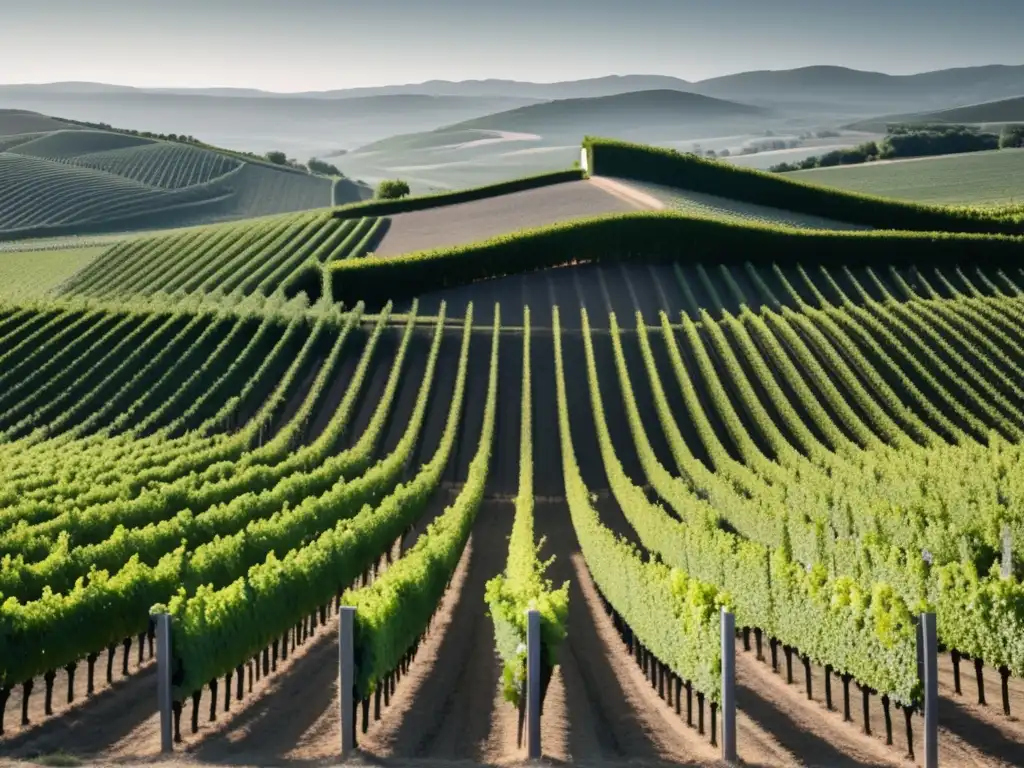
[84, 181]
[252, 257]
[987, 178]
[46, 197]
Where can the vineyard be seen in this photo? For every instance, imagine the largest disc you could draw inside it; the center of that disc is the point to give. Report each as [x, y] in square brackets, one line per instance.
[250, 427]
[75, 181]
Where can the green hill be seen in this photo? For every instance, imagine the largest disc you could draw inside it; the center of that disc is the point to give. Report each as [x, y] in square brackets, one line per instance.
[977, 178]
[1002, 111]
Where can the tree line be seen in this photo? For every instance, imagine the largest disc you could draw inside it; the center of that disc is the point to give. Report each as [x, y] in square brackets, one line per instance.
[908, 140]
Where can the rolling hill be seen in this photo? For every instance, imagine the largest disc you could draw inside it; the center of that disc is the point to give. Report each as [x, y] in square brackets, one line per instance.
[987, 178]
[626, 112]
[1001, 111]
[848, 91]
[300, 126]
[73, 180]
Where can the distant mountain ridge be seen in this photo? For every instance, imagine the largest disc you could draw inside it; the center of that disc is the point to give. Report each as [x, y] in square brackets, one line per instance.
[986, 83]
[612, 113]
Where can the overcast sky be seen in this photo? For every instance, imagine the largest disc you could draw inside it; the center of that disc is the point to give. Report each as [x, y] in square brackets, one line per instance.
[297, 45]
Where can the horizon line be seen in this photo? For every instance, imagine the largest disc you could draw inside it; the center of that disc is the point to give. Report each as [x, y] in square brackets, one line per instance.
[490, 79]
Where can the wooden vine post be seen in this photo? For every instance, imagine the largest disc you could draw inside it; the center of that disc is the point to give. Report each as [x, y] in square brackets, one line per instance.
[347, 678]
[930, 678]
[728, 687]
[163, 681]
[533, 683]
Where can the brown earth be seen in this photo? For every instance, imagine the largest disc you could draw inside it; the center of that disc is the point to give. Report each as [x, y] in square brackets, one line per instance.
[481, 219]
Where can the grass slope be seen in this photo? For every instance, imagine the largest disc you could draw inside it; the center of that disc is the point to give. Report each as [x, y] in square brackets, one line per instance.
[1002, 111]
[621, 111]
[30, 274]
[979, 178]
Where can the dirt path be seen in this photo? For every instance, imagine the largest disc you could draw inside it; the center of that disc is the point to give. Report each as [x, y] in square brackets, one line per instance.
[481, 219]
[801, 726]
[622, 190]
[450, 706]
[598, 706]
[88, 725]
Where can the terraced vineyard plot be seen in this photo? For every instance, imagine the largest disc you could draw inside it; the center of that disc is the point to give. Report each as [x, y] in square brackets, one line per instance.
[44, 196]
[242, 259]
[74, 181]
[168, 166]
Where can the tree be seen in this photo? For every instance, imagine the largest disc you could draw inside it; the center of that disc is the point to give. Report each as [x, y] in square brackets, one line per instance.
[392, 189]
[323, 168]
[277, 158]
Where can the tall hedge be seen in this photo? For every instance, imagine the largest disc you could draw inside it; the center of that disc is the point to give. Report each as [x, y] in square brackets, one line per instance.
[652, 237]
[422, 202]
[657, 165]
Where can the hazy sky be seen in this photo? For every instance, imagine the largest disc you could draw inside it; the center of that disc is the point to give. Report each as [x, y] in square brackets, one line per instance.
[296, 45]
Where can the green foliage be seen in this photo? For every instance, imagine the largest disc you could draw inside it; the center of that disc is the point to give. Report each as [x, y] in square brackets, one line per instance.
[763, 583]
[523, 585]
[928, 140]
[1012, 137]
[862, 153]
[674, 615]
[902, 141]
[393, 612]
[668, 167]
[214, 629]
[277, 157]
[392, 189]
[261, 257]
[323, 168]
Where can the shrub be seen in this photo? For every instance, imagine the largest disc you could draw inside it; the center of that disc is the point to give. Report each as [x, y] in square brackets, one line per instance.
[392, 189]
[1012, 137]
[277, 158]
[925, 141]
